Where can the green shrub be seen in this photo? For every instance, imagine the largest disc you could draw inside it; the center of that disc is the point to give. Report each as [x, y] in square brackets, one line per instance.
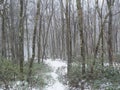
[8, 70]
[39, 76]
[105, 77]
[9, 74]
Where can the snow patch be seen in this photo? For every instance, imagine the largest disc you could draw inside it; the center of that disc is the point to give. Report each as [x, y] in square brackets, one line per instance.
[56, 64]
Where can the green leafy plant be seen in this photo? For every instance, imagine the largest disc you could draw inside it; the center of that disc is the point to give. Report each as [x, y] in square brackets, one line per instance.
[103, 77]
[9, 74]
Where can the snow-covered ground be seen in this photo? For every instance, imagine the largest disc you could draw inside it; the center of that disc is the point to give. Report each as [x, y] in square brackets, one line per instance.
[59, 67]
[56, 64]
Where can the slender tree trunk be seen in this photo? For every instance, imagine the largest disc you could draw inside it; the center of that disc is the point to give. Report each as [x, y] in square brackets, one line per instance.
[34, 41]
[21, 39]
[47, 33]
[68, 38]
[110, 46]
[80, 27]
[103, 21]
[39, 40]
[28, 41]
[80, 24]
[63, 28]
[12, 33]
[27, 31]
[3, 35]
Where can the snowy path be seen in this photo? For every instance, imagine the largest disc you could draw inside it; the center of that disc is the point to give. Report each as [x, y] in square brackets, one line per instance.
[57, 85]
[56, 65]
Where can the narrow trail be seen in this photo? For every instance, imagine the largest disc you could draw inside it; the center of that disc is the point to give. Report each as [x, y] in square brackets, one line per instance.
[56, 64]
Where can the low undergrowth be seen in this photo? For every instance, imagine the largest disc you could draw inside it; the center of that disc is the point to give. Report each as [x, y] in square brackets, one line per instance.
[10, 75]
[103, 78]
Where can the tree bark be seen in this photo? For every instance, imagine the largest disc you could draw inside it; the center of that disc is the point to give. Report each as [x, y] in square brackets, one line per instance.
[110, 46]
[68, 38]
[21, 39]
[34, 41]
[80, 27]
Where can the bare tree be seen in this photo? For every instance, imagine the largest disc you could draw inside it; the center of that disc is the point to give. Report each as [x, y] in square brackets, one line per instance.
[68, 37]
[110, 3]
[34, 40]
[80, 27]
[21, 38]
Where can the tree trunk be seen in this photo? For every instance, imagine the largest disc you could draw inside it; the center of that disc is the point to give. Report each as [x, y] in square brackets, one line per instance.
[34, 41]
[80, 27]
[3, 36]
[39, 40]
[110, 47]
[80, 24]
[68, 38]
[21, 39]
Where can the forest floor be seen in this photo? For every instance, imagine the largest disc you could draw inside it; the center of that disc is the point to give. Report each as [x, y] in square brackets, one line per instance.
[58, 74]
[59, 68]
